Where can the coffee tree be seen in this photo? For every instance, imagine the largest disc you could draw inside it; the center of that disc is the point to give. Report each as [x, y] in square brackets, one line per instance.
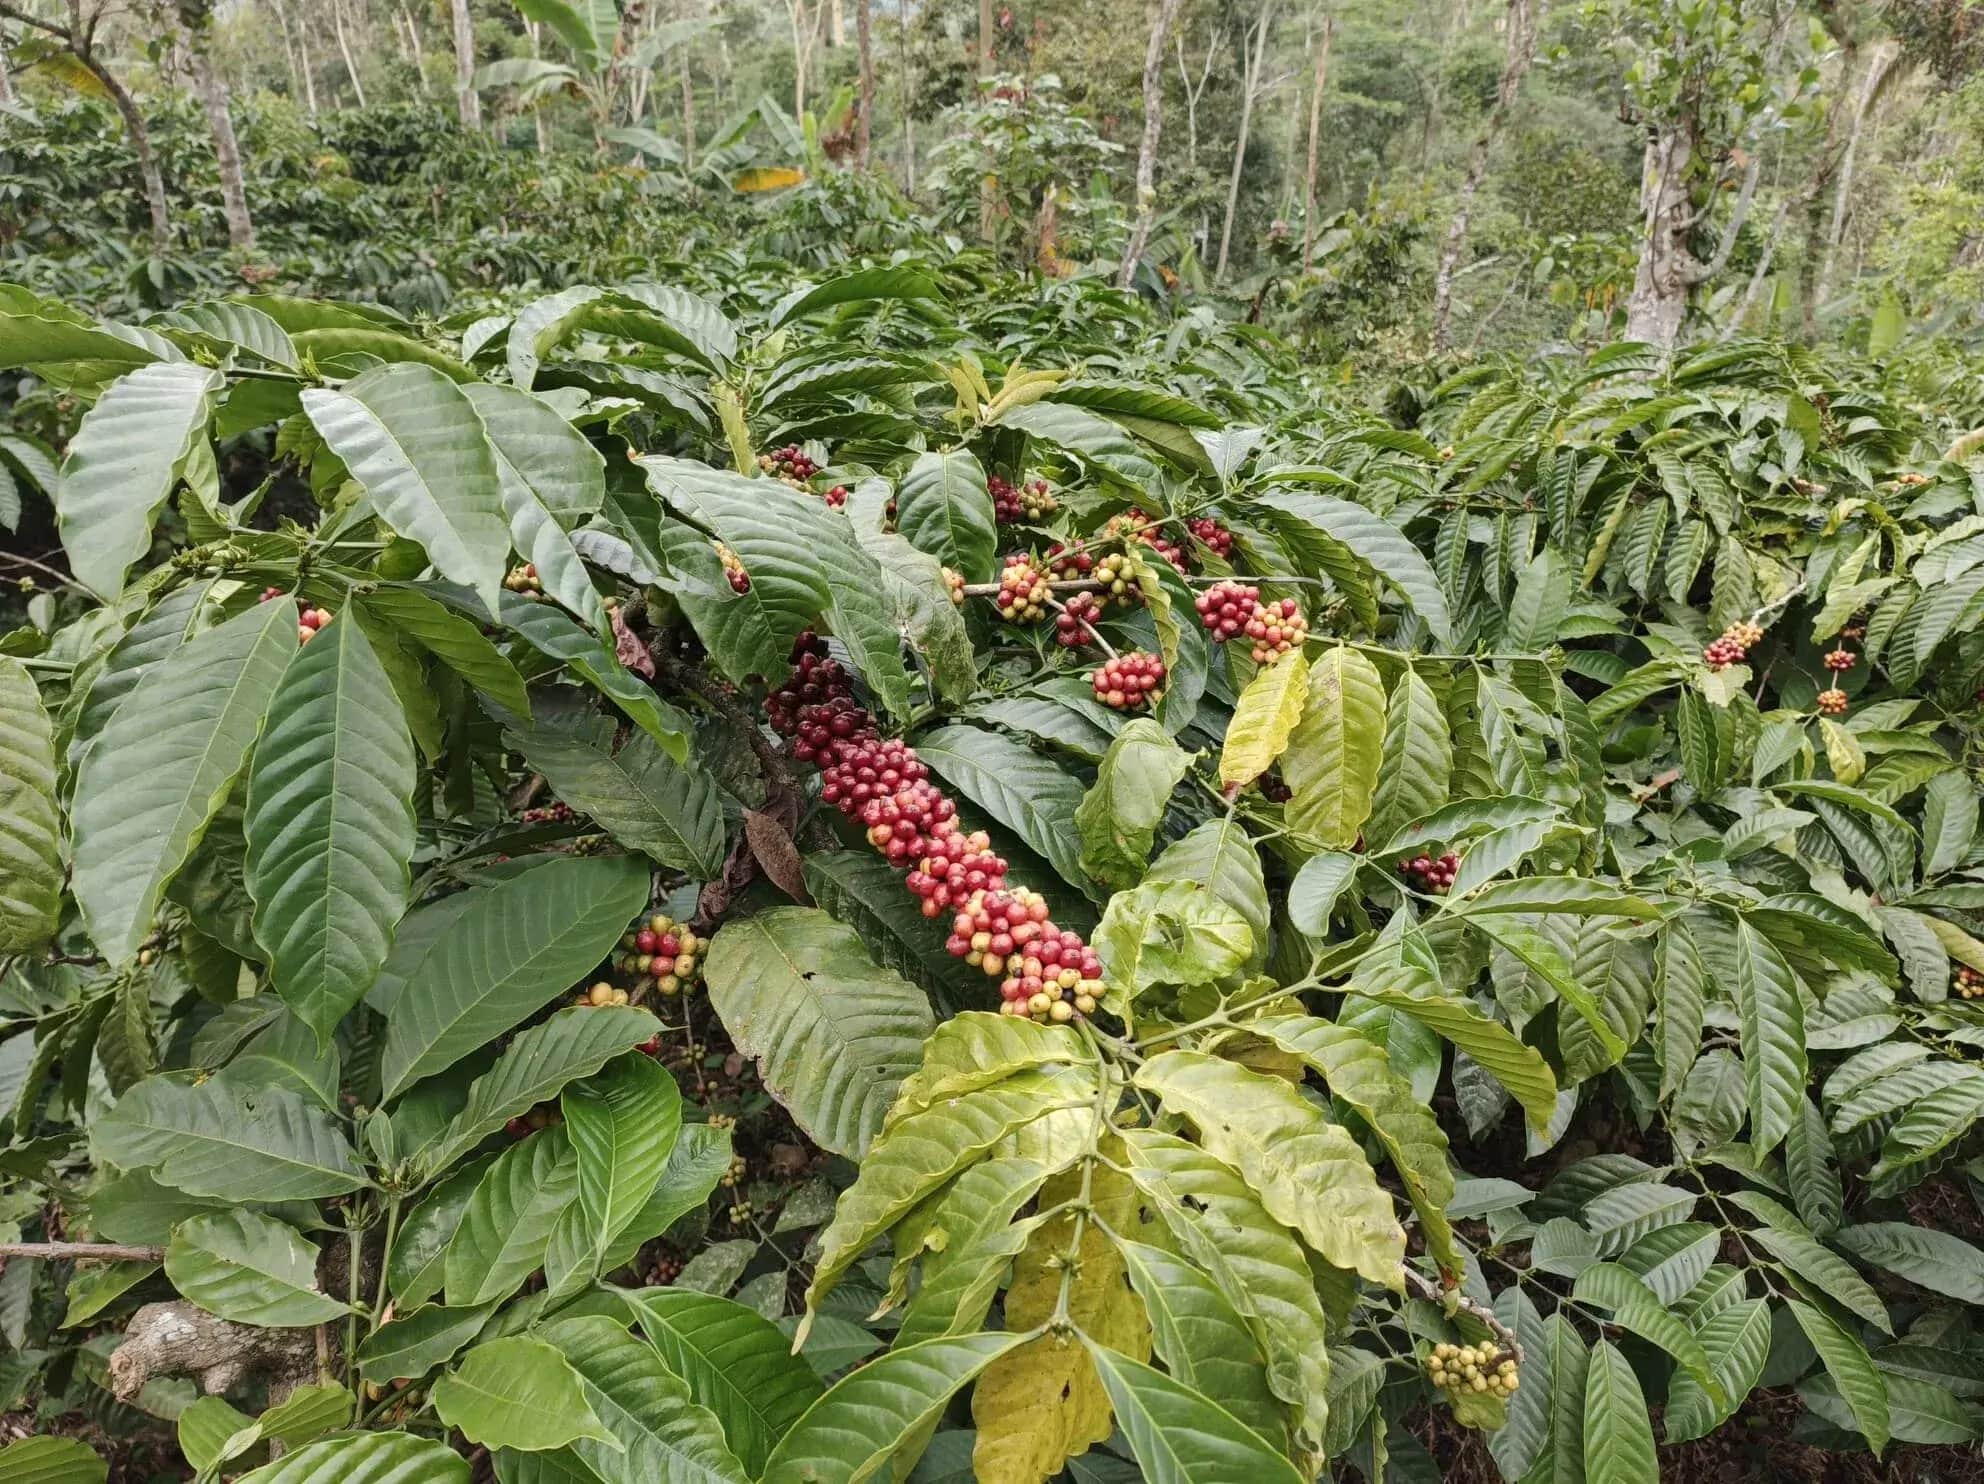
[1280, 921]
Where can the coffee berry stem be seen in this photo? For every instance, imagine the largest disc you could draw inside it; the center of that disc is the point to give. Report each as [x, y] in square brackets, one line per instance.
[1505, 1338]
[1102, 643]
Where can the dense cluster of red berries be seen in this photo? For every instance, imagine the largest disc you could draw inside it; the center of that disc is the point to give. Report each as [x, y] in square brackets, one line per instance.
[1968, 984]
[1045, 972]
[270, 594]
[556, 813]
[1077, 617]
[733, 569]
[1232, 609]
[836, 496]
[1130, 682]
[1840, 660]
[789, 465]
[523, 580]
[1134, 525]
[309, 621]
[1733, 645]
[1023, 590]
[1434, 875]
[1215, 535]
[665, 951]
[1832, 701]
[1028, 500]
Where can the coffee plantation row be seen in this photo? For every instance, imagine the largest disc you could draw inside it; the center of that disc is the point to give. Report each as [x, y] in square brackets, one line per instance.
[898, 876]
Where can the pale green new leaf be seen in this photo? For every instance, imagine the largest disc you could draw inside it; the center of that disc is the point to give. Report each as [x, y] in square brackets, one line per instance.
[1119, 815]
[248, 1268]
[834, 1034]
[1308, 1172]
[518, 1392]
[1333, 757]
[330, 826]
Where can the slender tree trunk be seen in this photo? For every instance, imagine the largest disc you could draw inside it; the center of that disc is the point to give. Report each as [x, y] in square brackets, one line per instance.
[864, 40]
[212, 88]
[141, 146]
[984, 39]
[6, 78]
[1160, 31]
[1660, 283]
[1522, 49]
[1761, 274]
[908, 99]
[1879, 67]
[419, 51]
[344, 50]
[688, 113]
[1251, 60]
[1315, 139]
[466, 101]
[288, 50]
[836, 24]
[302, 40]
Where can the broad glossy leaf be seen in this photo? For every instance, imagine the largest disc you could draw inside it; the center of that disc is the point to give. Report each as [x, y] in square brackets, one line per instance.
[330, 825]
[1773, 1033]
[122, 463]
[412, 438]
[1220, 855]
[1737, 1340]
[849, 1435]
[450, 638]
[550, 480]
[1937, 1260]
[1179, 1435]
[1852, 1370]
[506, 1225]
[662, 1435]
[639, 795]
[1518, 1067]
[236, 1144]
[734, 1361]
[975, 1049]
[1202, 1339]
[164, 763]
[366, 1458]
[1263, 719]
[1022, 789]
[51, 1460]
[510, 951]
[249, 1268]
[30, 821]
[412, 1344]
[942, 507]
[834, 1034]
[623, 1125]
[575, 1042]
[1308, 1172]
[1333, 756]
[1618, 1439]
[1634, 1307]
[1119, 815]
[698, 1161]
[1416, 758]
[518, 1392]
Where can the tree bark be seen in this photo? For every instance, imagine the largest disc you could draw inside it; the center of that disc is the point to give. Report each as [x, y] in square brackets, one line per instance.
[1660, 283]
[212, 88]
[344, 50]
[1251, 61]
[1160, 31]
[984, 39]
[1521, 51]
[466, 101]
[6, 78]
[141, 146]
[419, 51]
[864, 41]
[1315, 139]
[1880, 67]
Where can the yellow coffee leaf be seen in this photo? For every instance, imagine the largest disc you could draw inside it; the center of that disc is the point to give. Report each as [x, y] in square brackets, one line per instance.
[1263, 718]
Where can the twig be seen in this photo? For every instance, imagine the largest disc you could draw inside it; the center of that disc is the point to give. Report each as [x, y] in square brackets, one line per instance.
[65, 578]
[1433, 1293]
[1099, 640]
[82, 1251]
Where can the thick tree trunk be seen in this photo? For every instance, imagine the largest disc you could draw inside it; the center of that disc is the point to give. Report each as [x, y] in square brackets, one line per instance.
[1521, 51]
[344, 51]
[1160, 31]
[1252, 58]
[837, 24]
[212, 88]
[864, 41]
[1321, 81]
[1660, 285]
[466, 101]
[1880, 67]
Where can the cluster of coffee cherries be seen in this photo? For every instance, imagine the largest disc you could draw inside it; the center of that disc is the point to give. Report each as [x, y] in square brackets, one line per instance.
[1078, 616]
[524, 580]
[883, 784]
[1023, 590]
[1433, 874]
[1216, 537]
[1733, 645]
[1832, 701]
[601, 993]
[665, 951]
[1232, 610]
[1134, 525]
[555, 813]
[1129, 682]
[1480, 1367]
[1029, 500]
[1840, 660]
[309, 621]
[1114, 573]
[1968, 983]
[544, 1115]
[954, 585]
[733, 569]
[789, 465]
